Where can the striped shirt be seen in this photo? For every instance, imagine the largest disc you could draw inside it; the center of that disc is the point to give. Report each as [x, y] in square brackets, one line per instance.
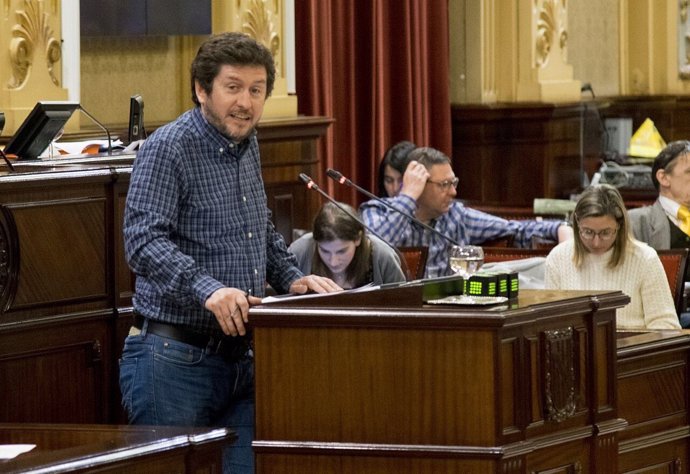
[465, 225]
[196, 220]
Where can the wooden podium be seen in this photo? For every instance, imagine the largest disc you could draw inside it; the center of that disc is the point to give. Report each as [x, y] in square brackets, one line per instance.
[379, 382]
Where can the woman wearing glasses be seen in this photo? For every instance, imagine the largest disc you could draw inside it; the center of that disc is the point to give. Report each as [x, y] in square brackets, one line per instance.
[340, 249]
[603, 255]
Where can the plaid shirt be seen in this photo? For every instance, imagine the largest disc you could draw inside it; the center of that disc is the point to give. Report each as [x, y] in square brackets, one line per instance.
[466, 226]
[196, 220]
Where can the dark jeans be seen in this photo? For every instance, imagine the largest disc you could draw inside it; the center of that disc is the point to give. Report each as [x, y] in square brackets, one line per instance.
[166, 382]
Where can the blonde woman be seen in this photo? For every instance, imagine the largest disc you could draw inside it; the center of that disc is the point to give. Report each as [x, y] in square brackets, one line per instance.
[603, 255]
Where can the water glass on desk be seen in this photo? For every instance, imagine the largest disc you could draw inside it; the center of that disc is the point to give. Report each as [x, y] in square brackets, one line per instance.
[466, 260]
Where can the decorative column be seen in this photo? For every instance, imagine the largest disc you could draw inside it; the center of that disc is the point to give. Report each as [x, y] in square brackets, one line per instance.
[544, 73]
[30, 52]
[651, 62]
[262, 20]
[509, 51]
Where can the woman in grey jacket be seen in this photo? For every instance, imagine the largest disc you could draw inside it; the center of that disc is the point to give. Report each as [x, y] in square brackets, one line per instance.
[340, 249]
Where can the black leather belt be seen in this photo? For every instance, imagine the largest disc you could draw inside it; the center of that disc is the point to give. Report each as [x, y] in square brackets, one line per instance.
[231, 348]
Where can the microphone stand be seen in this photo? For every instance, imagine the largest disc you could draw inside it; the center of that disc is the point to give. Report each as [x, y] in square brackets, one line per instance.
[312, 185]
[107, 132]
[338, 176]
[7, 160]
[2, 152]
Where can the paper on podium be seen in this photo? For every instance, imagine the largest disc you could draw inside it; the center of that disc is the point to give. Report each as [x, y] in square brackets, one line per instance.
[75, 148]
[11, 451]
[293, 297]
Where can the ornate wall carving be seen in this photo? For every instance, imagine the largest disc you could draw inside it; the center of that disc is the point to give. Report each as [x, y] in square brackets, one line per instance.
[551, 28]
[544, 72]
[683, 40]
[258, 22]
[33, 40]
[262, 20]
[30, 50]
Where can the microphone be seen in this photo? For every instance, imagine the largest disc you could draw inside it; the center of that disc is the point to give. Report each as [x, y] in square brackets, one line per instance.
[103, 127]
[312, 185]
[338, 176]
[587, 87]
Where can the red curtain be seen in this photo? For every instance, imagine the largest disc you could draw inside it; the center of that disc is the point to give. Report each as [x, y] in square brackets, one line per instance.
[380, 69]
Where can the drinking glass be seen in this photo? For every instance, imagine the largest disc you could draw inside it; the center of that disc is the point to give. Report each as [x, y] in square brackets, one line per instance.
[465, 260]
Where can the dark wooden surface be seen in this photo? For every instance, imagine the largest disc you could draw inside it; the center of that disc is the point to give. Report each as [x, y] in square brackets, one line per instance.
[115, 449]
[508, 154]
[653, 398]
[461, 389]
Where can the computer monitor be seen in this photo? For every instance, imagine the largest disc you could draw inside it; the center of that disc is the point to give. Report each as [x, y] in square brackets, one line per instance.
[136, 118]
[40, 128]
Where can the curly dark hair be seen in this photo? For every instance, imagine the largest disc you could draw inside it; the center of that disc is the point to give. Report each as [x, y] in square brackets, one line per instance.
[231, 48]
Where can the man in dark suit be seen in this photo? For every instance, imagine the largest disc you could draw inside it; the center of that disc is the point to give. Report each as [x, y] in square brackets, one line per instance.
[661, 224]
[666, 223]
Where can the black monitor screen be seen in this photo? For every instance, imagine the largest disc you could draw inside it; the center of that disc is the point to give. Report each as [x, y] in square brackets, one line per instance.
[136, 118]
[41, 126]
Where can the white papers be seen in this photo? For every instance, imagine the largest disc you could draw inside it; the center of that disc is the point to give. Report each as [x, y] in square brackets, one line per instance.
[11, 451]
[74, 148]
[293, 297]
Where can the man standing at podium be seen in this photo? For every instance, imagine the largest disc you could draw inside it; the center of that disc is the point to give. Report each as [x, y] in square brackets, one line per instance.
[199, 238]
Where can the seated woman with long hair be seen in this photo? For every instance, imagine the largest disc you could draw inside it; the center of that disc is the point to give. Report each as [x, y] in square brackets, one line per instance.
[392, 168]
[603, 255]
[340, 249]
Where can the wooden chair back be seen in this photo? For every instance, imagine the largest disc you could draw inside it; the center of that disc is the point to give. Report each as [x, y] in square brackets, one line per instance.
[501, 254]
[502, 242]
[542, 243]
[674, 262]
[414, 261]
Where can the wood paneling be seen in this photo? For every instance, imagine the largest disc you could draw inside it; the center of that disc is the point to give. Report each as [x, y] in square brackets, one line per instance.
[485, 391]
[508, 154]
[653, 397]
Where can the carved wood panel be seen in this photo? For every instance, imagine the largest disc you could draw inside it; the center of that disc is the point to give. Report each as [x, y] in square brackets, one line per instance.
[55, 373]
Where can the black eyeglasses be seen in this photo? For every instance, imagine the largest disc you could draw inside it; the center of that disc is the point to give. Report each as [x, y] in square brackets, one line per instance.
[606, 234]
[447, 184]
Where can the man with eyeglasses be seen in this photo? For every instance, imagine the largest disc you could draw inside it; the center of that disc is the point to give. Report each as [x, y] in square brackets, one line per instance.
[604, 255]
[428, 193]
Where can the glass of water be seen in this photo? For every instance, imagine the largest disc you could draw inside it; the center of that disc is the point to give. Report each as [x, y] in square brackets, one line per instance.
[465, 260]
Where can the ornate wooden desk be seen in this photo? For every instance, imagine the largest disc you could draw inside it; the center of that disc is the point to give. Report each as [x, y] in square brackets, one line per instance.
[378, 382]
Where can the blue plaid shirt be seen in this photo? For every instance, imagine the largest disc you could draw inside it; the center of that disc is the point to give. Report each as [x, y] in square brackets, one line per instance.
[466, 226]
[196, 220]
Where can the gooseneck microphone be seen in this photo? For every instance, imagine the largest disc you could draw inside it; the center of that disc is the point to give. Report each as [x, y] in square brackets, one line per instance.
[312, 185]
[338, 176]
